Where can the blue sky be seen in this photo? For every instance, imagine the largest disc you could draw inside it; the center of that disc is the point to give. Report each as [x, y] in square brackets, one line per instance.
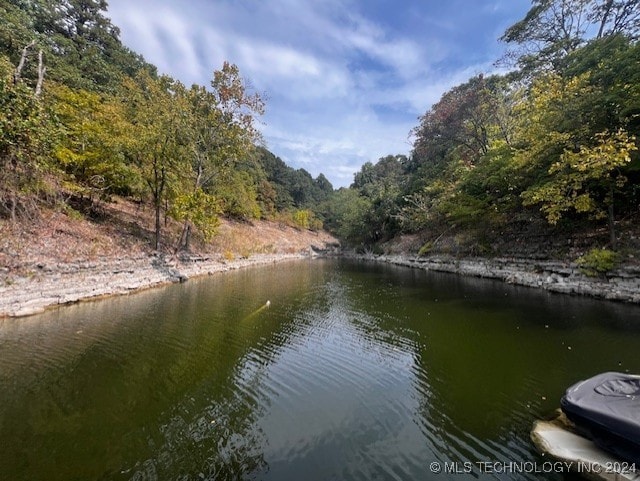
[345, 80]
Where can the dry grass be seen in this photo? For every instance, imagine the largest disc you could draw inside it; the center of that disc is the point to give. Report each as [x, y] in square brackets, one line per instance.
[124, 229]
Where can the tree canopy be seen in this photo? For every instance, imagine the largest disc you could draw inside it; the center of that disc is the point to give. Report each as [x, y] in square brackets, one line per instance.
[85, 118]
[555, 140]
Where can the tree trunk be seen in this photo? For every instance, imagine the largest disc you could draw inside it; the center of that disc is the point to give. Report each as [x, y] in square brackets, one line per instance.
[158, 189]
[604, 18]
[14, 205]
[187, 240]
[17, 74]
[612, 227]
[158, 225]
[187, 224]
[183, 241]
[41, 70]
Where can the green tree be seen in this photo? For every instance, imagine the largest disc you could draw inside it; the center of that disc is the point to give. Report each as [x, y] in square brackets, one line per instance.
[83, 46]
[345, 215]
[614, 79]
[466, 135]
[277, 174]
[25, 134]
[90, 148]
[552, 119]
[382, 184]
[323, 187]
[158, 138]
[294, 188]
[460, 128]
[579, 179]
[238, 195]
[221, 134]
[552, 29]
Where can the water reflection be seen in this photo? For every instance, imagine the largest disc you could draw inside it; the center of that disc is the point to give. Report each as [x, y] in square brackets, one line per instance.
[356, 371]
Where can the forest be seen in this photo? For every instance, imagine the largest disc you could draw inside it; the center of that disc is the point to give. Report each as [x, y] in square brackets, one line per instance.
[552, 142]
[83, 119]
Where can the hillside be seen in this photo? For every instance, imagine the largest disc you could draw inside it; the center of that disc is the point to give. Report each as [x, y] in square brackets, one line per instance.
[124, 229]
[103, 158]
[61, 258]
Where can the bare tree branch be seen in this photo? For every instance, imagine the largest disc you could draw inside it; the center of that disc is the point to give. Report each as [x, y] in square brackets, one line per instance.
[41, 70]
[17, 74]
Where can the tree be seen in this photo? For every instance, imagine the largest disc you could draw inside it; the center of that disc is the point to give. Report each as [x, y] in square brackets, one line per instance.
[239, 105]
[466, 134]
[158, 113]
[382, 185]
[293, 188]
[585, 180]
[277, 174]
[552, 29]
[91, 148]
[80, 45]
[25, 134]
[195, 206]
[324, 187]
[552, 118]
[613, 17]
[221, 134]
[238, 195]
[614, 78]
[345, 215]
[461, 126]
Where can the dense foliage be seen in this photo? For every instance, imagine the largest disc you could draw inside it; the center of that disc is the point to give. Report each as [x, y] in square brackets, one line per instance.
[83, 118]
[556, 139]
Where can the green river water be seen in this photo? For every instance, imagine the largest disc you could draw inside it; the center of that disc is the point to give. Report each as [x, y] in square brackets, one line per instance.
[356, 371]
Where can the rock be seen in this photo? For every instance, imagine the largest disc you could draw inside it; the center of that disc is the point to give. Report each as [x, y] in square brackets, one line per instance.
[621, 285]
[67, 284]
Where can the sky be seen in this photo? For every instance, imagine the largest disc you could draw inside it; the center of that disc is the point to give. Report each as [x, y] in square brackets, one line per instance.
[345, 81]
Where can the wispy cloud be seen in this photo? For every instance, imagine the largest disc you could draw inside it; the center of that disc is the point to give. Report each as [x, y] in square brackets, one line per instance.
[345, 81]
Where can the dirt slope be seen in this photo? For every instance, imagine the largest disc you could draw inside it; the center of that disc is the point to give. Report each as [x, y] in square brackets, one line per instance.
[67, 257]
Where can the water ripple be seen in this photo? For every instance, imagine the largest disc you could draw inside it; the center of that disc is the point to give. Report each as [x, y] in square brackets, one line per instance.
[355, 372]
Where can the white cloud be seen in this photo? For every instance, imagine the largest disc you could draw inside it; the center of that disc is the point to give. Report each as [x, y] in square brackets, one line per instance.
[344, 87]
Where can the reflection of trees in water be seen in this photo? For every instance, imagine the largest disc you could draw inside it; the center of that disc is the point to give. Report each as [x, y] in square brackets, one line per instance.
[169, 384]
[489, 358]
[128, 388]
[212, 433]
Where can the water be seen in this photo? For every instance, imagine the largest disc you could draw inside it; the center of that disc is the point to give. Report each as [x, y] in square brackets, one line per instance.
[355, 372]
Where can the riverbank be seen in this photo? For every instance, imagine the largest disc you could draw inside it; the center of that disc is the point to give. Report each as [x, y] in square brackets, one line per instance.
[61, 259]
[622, 284]
[63, 284]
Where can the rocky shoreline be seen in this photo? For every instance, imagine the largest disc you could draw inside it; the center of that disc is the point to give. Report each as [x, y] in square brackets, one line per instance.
[53, 285]
[58, 284]
[622, 284]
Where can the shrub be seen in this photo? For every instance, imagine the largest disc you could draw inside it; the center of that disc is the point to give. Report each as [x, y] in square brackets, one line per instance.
[598, 262]
[425, 249]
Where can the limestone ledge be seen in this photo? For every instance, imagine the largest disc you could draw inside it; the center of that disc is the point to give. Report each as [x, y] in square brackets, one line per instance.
[52, 285]
[622, 284]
